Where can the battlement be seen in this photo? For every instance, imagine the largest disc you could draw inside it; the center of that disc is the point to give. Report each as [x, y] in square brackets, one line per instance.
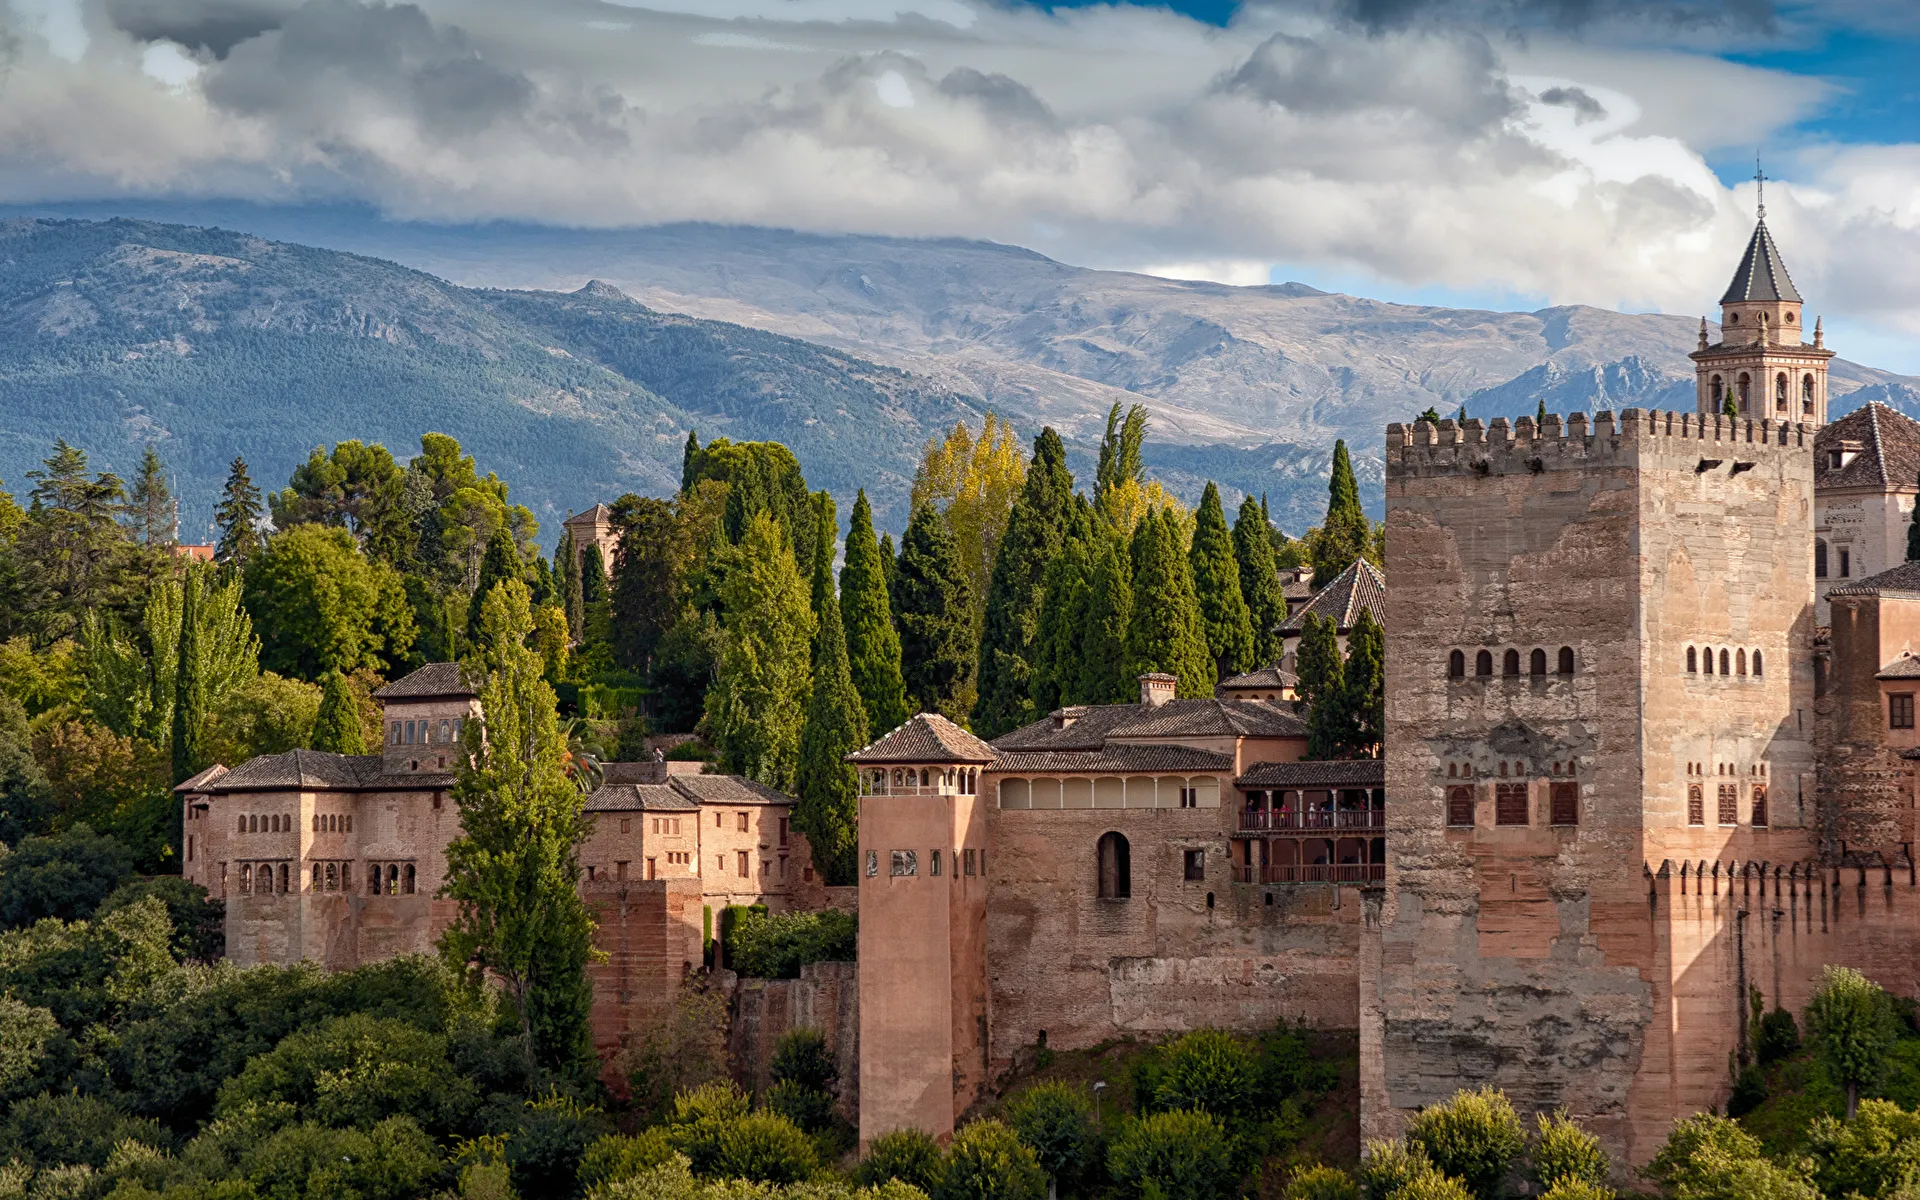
[1502, 447]
[1718, 877]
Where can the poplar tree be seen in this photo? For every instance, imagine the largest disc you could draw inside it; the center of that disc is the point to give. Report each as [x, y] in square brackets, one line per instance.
[1344, 535]
[1103, 666]
[501, 563]
[337, 725]
[873, 644]
[1060, 643]
[1364, 701]
[1322, 687]
[1166, 632]
[566, 582]
[189, 687]
[935, 612]
[1035, 530]
[755, 707]
[825, 783]
[690, 462]
[1216, 582]
[512, 872]
[1260, 582]
[238, 517]
[150, 507]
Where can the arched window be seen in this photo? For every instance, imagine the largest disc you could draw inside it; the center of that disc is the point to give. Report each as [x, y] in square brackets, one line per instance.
[1719, 392]
[1819, 558]
[1806, 393]
[1740, 662]
[406, 880]
[1483, 663]
[1566, 660]
[243, 824]
[1723, 663]
[316, 877]
[1693, 662]
[1537, 663]
[1457, 665]
[1780, 393]
[1696, 805]
[333, 878]
[246, 878]
[1511, 663]
[1745, 387]
[1116, 867]
[1707, 654]
[1756, 663]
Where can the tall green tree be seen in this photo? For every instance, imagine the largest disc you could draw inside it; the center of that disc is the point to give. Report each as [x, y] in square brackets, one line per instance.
[1120, 449]
[512, 871]
[690, 462]
[825, 783]
[190, 707]
[890, 565]
[238, 518]
[1323, 688]
[1216, 582]
[1365, 688]
[756, 706]
[150, 507]
[322, 605]
[932, 603]
[1103, 665]
[596, 601]
[130, 677]
[1346, 533]
[873, 644]
[1853, 1026]
[501, 563]
[1166, 633]
[566, 582]
[1034, 533]
[1260, 582]
[72, 544]
[337, 727]
[1060, 650]
[650, 567]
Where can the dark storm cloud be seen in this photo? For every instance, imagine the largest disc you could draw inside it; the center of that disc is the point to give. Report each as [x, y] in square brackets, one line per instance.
[1453, 82]
[214, 25]
[1585, 107]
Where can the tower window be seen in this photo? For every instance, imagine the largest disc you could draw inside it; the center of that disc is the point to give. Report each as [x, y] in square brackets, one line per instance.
[1116, 867]
[1756, 663]
[1819, 558]
[1460, 806]
[1511, 664]
[1729, 804]
[1510, 804]
[1900, 710]
[1723, 663]
[1806, 393]
[1708, 655]
[1780, 392]
[1537, 663]
[1846, 563]
[1483, 663]
[1457, 665]
[1566, 660]
[1759, 818]
[1566, 804]
[1696, 805]
[1693, 661]
[1746, 387]
[1740, 661]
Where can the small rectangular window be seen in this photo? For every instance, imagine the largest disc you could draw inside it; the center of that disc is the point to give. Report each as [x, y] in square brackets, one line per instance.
[1846, 563]
[783, 831]
[1460, 806]
[1696, 806]
[969, 862]
[933, 862]
[1566, 803]
[873, 864]
[1760, 806]
[1900, 711]
[620, 870]
[1729, 804]
[743, 822]
[740, 861]
[1196, 866]
[905, 862]
[1189, 797]
[1510, 804]
[396, 733]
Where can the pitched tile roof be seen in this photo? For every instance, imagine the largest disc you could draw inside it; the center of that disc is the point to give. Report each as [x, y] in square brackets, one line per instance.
[1907, 666]
[725, 789]
[1075, 727]
[434, 679]
[1761, 274]
[200, 781]
[1360, 772]
[1903, 578]
[1211, 717]
[639, 797]
[598, 512]
[925, 738]
[1360, 586]
[1262, 677]
[1124, 757]
[1889, 449]
[303, 769]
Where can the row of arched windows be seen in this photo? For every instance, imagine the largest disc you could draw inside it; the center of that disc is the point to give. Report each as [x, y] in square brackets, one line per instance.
[1743, 393]
[391, 879]
[259, 879]
[1509, 663]
[1701, 660]
[907, 781]
[268, 823]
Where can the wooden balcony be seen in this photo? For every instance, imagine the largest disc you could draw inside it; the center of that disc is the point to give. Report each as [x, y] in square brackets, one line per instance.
[1281, 820]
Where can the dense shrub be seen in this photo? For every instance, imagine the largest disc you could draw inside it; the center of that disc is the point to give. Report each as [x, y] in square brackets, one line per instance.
[1777, 1037]
[1708, 1157]
[1578, 1189]
[1180, 1155]
[1749, 1091]
[1871, 1155]
[199, 924]
[1055, 1121]
[546, 1139]
[1207, 1070]
[908, 1155]
[49, 1130]
[65, 875]
[617, 1156]
[395, 1160]
[763, 1146]
[1473, 1137]
[777, 945]
[1386, 1167]
[1322, 1183]
[357, 1070]
[1433, 1186]
[807, 1108]
[801, 1056]
[1564, 1151]
[986, 1161]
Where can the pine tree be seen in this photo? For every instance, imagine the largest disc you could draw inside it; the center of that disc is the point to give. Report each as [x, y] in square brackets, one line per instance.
[873, 644]
[1322, 688]
[337, 727]
[1216, 582]
[1166, 632]
[1344, 535]
[689, 462]
[825, 783]
[150, 508]
[1260, 583]
[937, 649]
[512, 871]
[1365, 701]
[1035, 530]
[190, 707]
[238, 517]
[1060, 651]
[501, 563]
[1103, 665]
[756, 706]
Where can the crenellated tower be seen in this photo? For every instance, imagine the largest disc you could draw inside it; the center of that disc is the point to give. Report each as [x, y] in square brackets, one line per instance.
[1762, 359]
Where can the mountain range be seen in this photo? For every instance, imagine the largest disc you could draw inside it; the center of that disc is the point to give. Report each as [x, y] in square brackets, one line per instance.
[574, 361]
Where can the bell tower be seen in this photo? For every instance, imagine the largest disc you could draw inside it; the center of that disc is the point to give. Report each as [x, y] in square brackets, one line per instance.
[1762, 359]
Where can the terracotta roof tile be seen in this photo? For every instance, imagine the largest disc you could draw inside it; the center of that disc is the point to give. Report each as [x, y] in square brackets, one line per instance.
[1262, 677]
[1907, 666]
[1075, 727]
[1903, 578]
[725, 789]
[303, 769]
[1210, 717]
[1360, 586]
[434, 679]
[1889, 454]
[1119, 758]
[1360, 772]
[925, 738]
[638, 797]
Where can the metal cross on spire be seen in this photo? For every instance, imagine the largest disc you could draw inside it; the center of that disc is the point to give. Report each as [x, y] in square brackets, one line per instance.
[1760, 186]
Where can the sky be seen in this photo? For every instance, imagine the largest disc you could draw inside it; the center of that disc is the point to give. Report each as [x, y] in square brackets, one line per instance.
[1497, 153]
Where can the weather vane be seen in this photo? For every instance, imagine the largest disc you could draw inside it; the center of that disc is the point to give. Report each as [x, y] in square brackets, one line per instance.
[1760, 183]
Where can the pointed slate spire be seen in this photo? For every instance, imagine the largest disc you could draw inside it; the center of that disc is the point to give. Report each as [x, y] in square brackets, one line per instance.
[1762, 275]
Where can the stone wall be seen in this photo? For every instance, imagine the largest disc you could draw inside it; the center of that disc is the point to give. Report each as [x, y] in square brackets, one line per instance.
[825, 997]
[650, 931]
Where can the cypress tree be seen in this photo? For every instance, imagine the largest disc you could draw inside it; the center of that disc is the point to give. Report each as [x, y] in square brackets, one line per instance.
[758, 702]
[1216, 584]
[1166, 632]
[567, 582]
[828, 811]
[1730, 409]
[1344, 535]
[337, 727]
[189, 687]
[1365, 702]
[1035, 530]
[1540, 418]
[500, 563]
[1260, 583]
[890, 563]
[596, 604]
[647, 594]
[873, 644]
[826, 529]
[1322, 687]
[1060, 658]
[1103, 666]
[689, 461]
[238, 517]
[937, 649]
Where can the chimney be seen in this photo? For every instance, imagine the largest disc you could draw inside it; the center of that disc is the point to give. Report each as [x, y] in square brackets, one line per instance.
[1156, 688]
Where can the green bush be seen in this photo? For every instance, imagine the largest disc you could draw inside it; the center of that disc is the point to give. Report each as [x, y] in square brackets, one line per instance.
[1871, 1155]
[199, 924]
[49, 1130]
[618, 1156]
[776, 945]
[1709, 1157]
[1778, 1037]
[546, 1140]
[801, 1056]
[64, 875]
[395, 1160]
[1577, 1189]
[1473, 1137]
[1322, 1183]
[1055, 1121]
[986, 1161]
[908, 1155]
[763, 1146]
[1285, 1067]
[1386, 1167]
[601, 702]
[1853, 1026]
[1432, 1185]
[1207, 1070]
[1181, 1155]
[356, 1070]
[1564, 1151]
[720, 1100]
[1749, 1091]
[809, 1108]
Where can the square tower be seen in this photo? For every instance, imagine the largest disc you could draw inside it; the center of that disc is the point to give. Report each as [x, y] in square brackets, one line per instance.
[1762, 362]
